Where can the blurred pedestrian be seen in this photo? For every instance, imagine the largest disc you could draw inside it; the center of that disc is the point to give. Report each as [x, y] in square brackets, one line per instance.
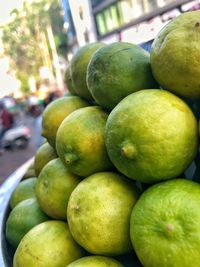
[38, 129]
[37, 115]
[7, 122]
[51, 97]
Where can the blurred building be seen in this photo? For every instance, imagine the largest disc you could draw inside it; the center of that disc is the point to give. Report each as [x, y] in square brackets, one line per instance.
[79, 24]
[68, 27]
[135, 21]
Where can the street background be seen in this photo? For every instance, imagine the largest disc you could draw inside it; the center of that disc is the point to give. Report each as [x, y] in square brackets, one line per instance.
[12, 159]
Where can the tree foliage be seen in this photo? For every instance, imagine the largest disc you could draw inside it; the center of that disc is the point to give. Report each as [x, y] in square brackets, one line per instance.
[22, 37]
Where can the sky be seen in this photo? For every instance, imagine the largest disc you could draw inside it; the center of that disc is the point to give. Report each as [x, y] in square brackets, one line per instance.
[6, 7]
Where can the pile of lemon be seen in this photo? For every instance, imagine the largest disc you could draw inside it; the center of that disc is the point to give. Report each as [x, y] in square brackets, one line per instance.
[110, 177]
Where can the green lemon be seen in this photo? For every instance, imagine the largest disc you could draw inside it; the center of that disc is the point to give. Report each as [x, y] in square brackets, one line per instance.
[54, 187]
[165, 229]
[118, 70]
[79, 65]
[80, 141]
[199, 128]
[95, 261]
[68, 80]
[151, 135]
[30, 172]
[24, 190]
[56, 112]
[44, 154]
[99, 212]
[175, 55]
[48, 244]
[22, 218]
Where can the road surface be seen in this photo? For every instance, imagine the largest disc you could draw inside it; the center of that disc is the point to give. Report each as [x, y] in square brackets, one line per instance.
[11, 160]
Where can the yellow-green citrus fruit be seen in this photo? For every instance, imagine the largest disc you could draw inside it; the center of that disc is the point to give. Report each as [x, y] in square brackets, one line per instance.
[44, 154]
[118, 70]
[199, 128]
[48, 244]
[68, 80]
[165, 229]
[80, 141]
[79, 65]
[151, 135]
[95, 261]
[175, 55]
[99, 212]
[56, 112]
[30, 172]
[24, 190]
[54, 187]
[22, 218]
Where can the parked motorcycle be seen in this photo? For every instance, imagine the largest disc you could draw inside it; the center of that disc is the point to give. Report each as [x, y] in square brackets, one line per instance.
[17, 137]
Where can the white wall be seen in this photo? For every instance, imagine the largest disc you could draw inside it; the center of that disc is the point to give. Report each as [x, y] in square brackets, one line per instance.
[83, 24]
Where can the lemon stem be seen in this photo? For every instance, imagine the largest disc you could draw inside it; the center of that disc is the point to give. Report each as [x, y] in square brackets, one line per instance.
[170, 227]
[129, 151]
[70, 158]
